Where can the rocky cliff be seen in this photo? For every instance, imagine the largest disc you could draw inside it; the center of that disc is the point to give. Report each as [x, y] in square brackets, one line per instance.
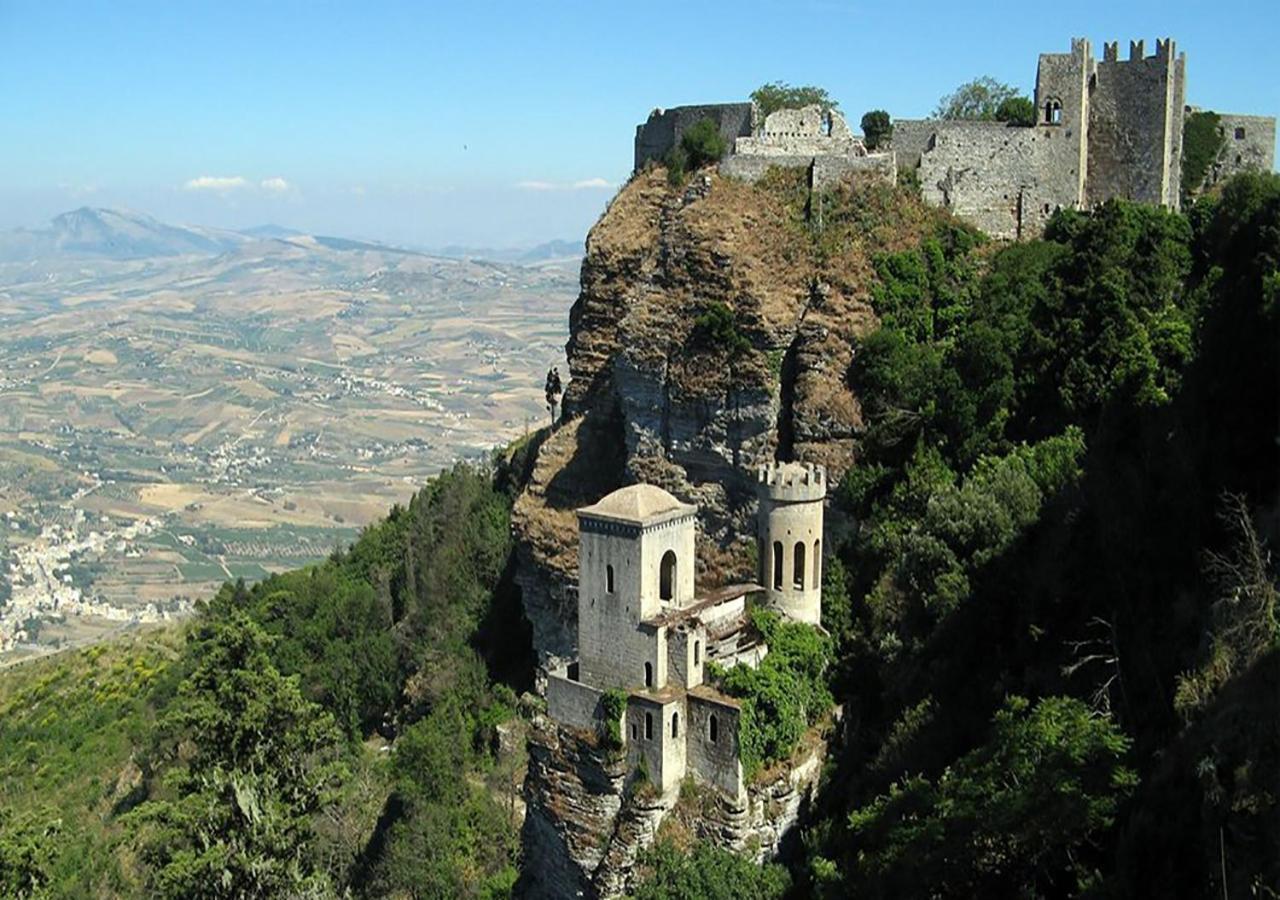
[588, 823]
[714, 331]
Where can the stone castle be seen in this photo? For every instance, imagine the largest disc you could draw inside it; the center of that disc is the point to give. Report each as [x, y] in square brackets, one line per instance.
[645, 630]
[1109, 128]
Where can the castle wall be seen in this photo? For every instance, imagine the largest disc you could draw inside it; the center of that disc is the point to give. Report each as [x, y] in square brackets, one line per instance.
[1062, 79]
[1006, 180]
[1249, 145]
[684, 666]
[573, 703]
[715, 762]
[1135, 127]
[911, 138]
[665, 127]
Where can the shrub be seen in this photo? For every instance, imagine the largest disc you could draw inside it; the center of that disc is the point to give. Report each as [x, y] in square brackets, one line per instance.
[718, 327]
[614, 704]
[702, 144]
[778, 95]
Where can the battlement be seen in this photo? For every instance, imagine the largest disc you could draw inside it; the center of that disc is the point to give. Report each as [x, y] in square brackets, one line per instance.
[792, 482]
[1166, 50]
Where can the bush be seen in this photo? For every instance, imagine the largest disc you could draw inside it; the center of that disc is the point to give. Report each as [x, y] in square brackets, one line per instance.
[702, 144]
[614, 704]
[877, 129]
[778, 95]
[718, 327]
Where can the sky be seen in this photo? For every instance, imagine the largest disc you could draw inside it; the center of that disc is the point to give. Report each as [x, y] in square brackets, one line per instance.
[491, 124]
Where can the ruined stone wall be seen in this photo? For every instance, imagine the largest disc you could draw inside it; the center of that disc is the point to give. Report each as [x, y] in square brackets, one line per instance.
[825, 171]
[1135, 127]
[573, 703]
[911, 138]
[1248, 145]
[665, 127]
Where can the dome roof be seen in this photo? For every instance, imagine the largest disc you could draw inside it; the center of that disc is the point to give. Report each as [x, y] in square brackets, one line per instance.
[640, 503]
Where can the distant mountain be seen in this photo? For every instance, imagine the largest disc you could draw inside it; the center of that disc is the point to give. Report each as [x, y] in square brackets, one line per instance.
[115, 234]
[556, 249]
[272, 231]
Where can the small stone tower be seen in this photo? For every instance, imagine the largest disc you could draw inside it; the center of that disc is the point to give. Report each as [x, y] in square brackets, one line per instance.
[790, 530]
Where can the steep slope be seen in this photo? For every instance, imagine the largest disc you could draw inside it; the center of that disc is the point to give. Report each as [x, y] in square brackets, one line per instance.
[714, 332]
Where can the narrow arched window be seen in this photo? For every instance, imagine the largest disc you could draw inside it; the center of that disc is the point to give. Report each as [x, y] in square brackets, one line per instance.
[667, 576]
[648, 727]
[608, 579]
[713, 728]
[797, 573]
[777, 565]
[697, 652]
[817, 560]
[648, 674]
[675, 724]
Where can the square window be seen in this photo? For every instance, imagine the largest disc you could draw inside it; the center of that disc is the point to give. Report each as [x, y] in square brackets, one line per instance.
[1239, 134]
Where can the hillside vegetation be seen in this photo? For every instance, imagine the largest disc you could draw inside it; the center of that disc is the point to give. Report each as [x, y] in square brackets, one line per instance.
[1050, 598]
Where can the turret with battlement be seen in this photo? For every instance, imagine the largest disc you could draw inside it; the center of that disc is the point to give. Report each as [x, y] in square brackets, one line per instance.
[790, 534]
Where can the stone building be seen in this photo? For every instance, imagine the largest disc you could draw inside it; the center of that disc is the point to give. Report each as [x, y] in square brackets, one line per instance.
[644, 629]
[1109, 128]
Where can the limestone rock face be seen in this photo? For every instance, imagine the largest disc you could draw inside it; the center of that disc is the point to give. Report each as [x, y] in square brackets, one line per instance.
[709, 336]
[586, 826]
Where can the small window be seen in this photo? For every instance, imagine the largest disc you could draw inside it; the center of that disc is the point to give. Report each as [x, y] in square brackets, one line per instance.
[777, 565]
[697, 652]
[648, 727]
[713, 728]
[675, 724]
[635, 732]
[608, 579]
[1239, 134]
[648, 674]
[573, 671]
[817, 560]
[797, 573]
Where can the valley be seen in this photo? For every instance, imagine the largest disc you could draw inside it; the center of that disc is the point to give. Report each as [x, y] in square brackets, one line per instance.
[171, 421]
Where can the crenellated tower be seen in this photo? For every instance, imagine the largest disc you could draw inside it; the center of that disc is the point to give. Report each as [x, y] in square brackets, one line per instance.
[790, 534]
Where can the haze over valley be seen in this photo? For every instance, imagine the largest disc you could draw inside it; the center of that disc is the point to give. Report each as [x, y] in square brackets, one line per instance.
[180, 406]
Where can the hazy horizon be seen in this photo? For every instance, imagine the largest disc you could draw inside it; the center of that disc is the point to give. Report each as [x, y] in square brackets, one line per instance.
[460, 126]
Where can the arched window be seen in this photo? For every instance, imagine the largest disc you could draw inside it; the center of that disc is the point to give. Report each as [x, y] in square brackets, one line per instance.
[648, 674]
[797, 573]
[713, 728]
[777, 565]
[608, 579]
[667, 585]
[648, 727]
[817, 562]
[1053, 112]
[675, 724]
[1057, 113]
[697, 652]
[634, 731]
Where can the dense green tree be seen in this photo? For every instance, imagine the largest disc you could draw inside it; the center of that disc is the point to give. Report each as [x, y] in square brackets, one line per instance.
[28, 846]
[977, 99]
[1015, 817]
[877, 129]
[707, 873]
[1202, 140]
[778, 95]
[254, 761]
[1017, 110]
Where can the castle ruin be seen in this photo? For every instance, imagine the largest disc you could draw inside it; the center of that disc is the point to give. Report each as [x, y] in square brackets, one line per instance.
[645, 630]
[1109, 128]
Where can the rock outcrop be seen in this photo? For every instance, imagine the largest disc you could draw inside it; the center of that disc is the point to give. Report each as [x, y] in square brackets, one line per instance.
[587, 823]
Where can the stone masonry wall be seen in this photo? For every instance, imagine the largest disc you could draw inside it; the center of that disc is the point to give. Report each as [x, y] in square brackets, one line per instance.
[573, 703]
[664, 128]
[1248, 145]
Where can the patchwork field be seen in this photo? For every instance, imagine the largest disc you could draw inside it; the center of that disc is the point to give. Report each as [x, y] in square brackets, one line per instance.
[169, 423]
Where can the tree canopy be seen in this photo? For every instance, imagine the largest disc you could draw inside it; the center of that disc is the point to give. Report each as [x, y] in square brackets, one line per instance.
[778, 95]
[980, 99]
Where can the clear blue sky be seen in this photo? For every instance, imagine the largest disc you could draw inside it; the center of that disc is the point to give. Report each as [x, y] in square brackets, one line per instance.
[490, 123]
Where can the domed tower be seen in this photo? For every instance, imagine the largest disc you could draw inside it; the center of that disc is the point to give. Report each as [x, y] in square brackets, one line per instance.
[790, 529]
